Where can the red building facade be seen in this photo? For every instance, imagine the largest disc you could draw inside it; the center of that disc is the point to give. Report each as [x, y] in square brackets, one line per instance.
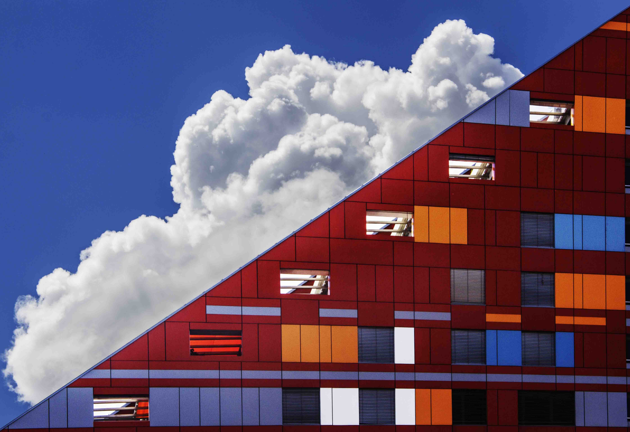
[479, 284]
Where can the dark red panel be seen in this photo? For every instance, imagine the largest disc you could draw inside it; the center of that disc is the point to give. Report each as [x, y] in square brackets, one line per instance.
[615, 263]
[467, 256]
[491, 287]
[376, 314]
[566, 60]
[397, 191]
[317, 228]
[422, 345]
[452, 137]
[433, 194]
[270, 343]
[300, 311]
[508, 228]
[491, 227]
[285, 251]
[343, 281]
[312, 249]
[177, 341]
[403, 254]
[538, 260]
[595, 180]
[545, 170]
[361, 251]
[579, 55]
[616, 86]
[508, 137]
[470, 317]
[563, 171]
[438, 163]
[402, 171]
[563, 141]
[537, 140]
[615, 56]
[589, 203]
[249, 278]
[369, 193]
[577, 173]
[478, 135]
[492, 404]
[440, 346]
[476, 227]
[403, 284]
[508, 168]
[616, 322]
[384, 283]
[594, 350]
[589, 143]
[337, 221]
[157, 344]
[367, 282]
[538, 319]
[537, 200]
[559, 81]
[268, 279]
[615, 205]
[564, 261]
[532, 82]
[194, 312]
[230, 287]
[466, 195]
[563, 202]
[529, 169]
[440, 283]
[420, 164]
[503, 258]
[421, 285]
[502, 198]
[594, 54]
[616, 146]
[615, 180]
[508, 407]
[579, 349]
[616, 351]
[590, 262]
[508, 288]
[590, 84]
[431, 255]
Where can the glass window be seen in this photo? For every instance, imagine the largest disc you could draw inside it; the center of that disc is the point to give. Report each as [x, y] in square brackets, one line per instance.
[551, 112]
[469, 407]
[537, 230]
[377, 407]
[538, 289]
[389, 223]
[546, 408]
[124, 407]
[376, 345]
[216, 342]
[300, 406]
[468, 286]
[538, 349]
[296, 281]
[473, 167]
[468, 346]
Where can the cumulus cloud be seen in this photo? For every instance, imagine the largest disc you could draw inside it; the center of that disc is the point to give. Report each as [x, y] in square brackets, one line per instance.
[247, 173]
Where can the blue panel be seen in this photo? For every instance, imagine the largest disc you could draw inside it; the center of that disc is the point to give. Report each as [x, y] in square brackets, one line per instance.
[231, 406]
[519, 108]
[80, 407]
[618, 409]
[577, 232]
[564, 349]
[503, 109]
[164, 406]
[595, 409]
[509, 351]
[189, 406]
[615, 234]
[579, 408]
[270, 406]
[35, 419]
[564, 231]
[594, 232]
[484, 115]
[251, 407]
[59, 410]
[491, 347]
[209, 402]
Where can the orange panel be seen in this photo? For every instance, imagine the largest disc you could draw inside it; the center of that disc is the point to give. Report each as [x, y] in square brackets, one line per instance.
[438, 224]
[345, 344]
[593, 114]
[594, 291]
[564, 290]
[459, 226]
[325, 344]
[564, 319]
[441, 407]
[590, 321]
[577, 115]
[290, 343]
[613, 25]
[507, 318]
[616, 292]
[421, 224]
[309, 342]
[616, 116]
[423, 406]
[577, 291]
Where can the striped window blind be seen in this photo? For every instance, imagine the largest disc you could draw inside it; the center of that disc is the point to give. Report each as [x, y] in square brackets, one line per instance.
[376, 345]
[538, 289]
[468, 286]
[537, 229]
[538, 349]
[468, 346]
[300, 406]
[377, 407]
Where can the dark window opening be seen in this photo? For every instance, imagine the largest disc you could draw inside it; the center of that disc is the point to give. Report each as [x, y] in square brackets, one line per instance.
[469, 407]
[546, 408]
[551, 112]
[468, 346]
[216, 342]
[116, 408]
[538, 289]
[473, 167]
[468, 286]
[376, 345]
[300, 406]
[538, 349]
[377, 407]
[537, 230]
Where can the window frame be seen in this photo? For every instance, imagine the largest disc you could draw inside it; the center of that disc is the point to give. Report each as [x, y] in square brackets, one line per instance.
[487, 166]
[524, 336]
[306, 276]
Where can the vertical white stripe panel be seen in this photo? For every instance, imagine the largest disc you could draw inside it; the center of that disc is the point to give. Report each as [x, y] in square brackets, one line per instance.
[404, 348]
[345, 406]
[405, 406]
[326, 409]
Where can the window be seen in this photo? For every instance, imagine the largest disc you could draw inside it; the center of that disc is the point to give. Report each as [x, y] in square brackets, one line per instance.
[551, 112]
[628, 348]
[376, 345]
[537, 230]
[546, 408]
[469, 407]
[539, 349]
[468, 286]
[300, 406]
[389, 223]
[475, 167]
[377, 407]
[108, 408]
[627, 172]
[468, 346]
[313, 282]
[216, 342]
[537, 289]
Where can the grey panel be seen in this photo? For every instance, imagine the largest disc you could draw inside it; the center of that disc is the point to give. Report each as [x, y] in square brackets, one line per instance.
[59, 410]
[97, 374]
[519, 108]
[231, 406]
[258, 374]
[338, 313]
[582, 379]
[504, 378]
[300, 375]
[230, 374]
[433, 316]
[183, 374]
[579, 408]
[617, 410]
[251, 407]
[337, 375]
[270, 406]
[484, 115]
[405, 376]
[189, 406]
[377, 376]
[433, 376]
[470, 377]
[209, 401]
[164, 406]
[595, 409]
[403, 315]
[223, 310]
[130, 373]
[539, 378]
[261, 311]
[34, 419]
[80, 407]
[503, 109]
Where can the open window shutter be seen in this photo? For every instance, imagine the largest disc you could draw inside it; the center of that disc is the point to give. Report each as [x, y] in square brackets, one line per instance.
[376, 406]
[300, 406]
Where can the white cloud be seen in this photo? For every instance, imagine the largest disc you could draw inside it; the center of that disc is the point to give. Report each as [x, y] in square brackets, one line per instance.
[247, 173]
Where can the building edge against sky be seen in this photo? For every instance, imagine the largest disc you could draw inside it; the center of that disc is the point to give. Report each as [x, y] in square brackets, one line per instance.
[479, 282]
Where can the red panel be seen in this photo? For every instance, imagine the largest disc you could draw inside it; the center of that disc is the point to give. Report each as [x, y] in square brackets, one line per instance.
[545, 170]
[493, 406]
[476, 225]
[590, 84]
[537, 200]
[616, 146]
[538, 319]
[559, 81]
[589, 262]
[615, 180]
[594, 54]
[467, 256]
[433, 194]
[579, 55]
[440, 283]
[431, 255]
[268, 279]
[563, 202]
[532, 82]
[285, 251]
[595, 180]
[249, 277]
[452, 137]
[312, 249]
[369, 193]
[564, 261]
[362, 251]
[615, 56]
[138, 350]
[384, 283]
[577, 173]
[177, 345]
[503, 258]
[508, 137]
[508, 407]
[579, 349]
[594, 350]
[230, 287]
[317, 228]
[466, 195]
[615, 263]
[403, 284]
[355, 220]
[508, 288]
[403, 254]
[616, 322]
[615, 205]
[616, 351]
[440, 346]
[270, 342]
[563, 171]
[508, 228]
[300, 311]
[508, 168]
[563, 141]
[421, 284]
[337, 221]
[589, 203]
[157, 344]
[502, 198]
[343, 281]
[478, 135]
[367, 282]
[589, 143]
[537, 140]
[491, 227]
[470, 317]
[422, 339]
[402, 171]
[529, 169]
[376, 314]
[616, 86]
[438, 163]
[566, 60]
[397, 191]
[491, 287]
[420, 164]
[538, 260]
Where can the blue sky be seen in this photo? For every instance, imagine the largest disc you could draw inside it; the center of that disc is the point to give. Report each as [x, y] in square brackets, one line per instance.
[93, 96]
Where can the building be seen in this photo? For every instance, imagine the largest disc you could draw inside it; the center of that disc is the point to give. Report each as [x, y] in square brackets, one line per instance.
[481, 282]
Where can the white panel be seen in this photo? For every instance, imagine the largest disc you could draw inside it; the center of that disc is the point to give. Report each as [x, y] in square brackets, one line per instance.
[405, 406]
[345, 406]
[80, 407]
[404, 345]
[325, 401]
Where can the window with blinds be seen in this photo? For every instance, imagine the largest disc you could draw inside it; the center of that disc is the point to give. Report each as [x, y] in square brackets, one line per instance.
[551, 112]
[216, 342]
[472, 167]
[628, 349]
[300, 406]
[376, 345]
[469, 407]
[468, 286]
[377, 407]
[546, 408]
[111, 408]
[309, 282]
[468, 346]
[627, 233]
[627, 173]
[389, 223]
[627, 289]
[538, 289]
[537, 230]
[538, 349]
